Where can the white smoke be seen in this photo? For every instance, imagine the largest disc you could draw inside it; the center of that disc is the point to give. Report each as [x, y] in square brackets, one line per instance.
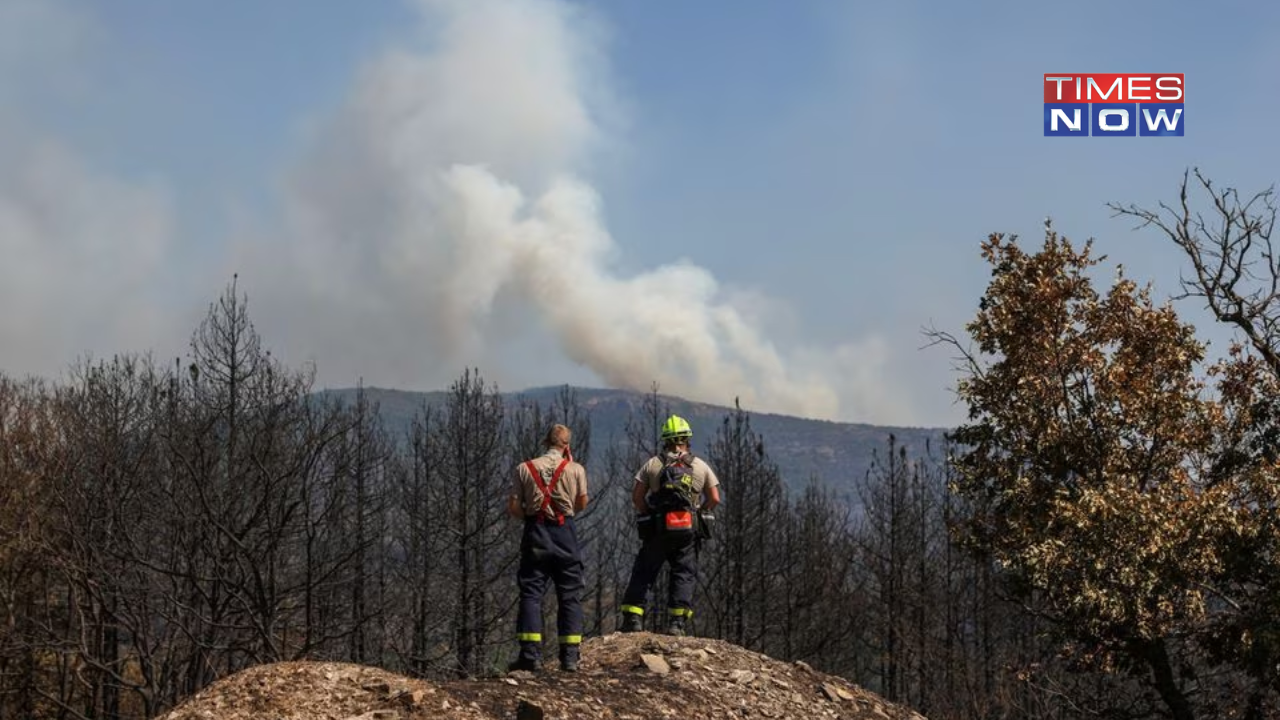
[449, 191]
[80, 250]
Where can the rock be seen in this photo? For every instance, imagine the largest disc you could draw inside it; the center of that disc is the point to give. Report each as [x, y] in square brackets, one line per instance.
[378, 688]
[656, 663]
[528, 711]
[660, 646]
[742, 677]
[411, 698]
[830, 691]
[510, 681]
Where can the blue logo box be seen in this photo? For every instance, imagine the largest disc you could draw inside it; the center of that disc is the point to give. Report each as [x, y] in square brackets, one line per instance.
[1114, 119]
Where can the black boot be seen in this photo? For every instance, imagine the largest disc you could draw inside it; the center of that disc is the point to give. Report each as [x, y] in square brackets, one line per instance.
[631, 623]
[675, 626]
[529, 659]
[569, 657]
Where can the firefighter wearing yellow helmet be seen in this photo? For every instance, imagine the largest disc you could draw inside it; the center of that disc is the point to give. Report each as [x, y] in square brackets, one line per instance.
[673, 495]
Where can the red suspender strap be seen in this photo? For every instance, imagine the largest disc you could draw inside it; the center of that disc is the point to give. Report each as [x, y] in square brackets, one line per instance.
[555, 477]
[546, 491]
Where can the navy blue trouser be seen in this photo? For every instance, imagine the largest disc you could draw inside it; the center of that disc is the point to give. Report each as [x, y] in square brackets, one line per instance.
[676, 549]
[550, 553]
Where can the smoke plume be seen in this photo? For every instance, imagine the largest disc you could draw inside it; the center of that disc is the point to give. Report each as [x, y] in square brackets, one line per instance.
[442, 217]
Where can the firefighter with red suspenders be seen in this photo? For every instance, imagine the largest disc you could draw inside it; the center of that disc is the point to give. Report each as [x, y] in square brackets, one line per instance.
[549, 490]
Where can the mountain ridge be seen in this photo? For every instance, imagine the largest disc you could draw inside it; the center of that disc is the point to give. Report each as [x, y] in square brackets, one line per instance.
[836, 453]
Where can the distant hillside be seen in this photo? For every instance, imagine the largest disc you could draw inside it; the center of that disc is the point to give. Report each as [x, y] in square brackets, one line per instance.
[834, 452]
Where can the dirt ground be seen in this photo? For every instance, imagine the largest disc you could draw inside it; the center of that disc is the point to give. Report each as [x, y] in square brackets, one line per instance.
[637, 676]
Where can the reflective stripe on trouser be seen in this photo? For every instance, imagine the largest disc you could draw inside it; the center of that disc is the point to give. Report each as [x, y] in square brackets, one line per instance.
[550, 553]
[678, 552]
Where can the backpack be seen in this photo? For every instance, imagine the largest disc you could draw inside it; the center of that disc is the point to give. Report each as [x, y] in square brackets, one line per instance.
[675, 499]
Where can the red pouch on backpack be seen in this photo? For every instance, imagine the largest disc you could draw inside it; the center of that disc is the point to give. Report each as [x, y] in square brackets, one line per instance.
[679, 520]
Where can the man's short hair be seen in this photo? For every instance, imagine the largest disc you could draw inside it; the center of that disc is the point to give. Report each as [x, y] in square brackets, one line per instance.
[557, 436]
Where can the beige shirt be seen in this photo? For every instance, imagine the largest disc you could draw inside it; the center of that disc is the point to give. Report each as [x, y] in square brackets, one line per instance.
[571, 485]
[651, 473]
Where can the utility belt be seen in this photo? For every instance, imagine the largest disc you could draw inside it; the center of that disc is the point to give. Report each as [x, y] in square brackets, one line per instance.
[676, 523]
[541, 519]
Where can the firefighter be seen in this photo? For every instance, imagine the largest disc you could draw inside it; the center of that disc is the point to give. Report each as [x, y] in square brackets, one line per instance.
[671, 491]
[549, 490]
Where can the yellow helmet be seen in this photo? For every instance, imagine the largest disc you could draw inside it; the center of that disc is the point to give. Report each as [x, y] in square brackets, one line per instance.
[676, 427]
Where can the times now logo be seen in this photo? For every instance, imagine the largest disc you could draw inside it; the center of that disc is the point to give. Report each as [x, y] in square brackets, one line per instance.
[1107, 104]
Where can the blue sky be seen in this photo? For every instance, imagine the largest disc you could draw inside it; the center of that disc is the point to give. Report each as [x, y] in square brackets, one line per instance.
[814, 177]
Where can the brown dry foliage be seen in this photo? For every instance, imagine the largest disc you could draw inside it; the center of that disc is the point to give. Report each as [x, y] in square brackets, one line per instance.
[1090, 438]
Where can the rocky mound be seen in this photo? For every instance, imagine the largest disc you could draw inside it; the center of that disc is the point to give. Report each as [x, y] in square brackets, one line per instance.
[638, 675]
